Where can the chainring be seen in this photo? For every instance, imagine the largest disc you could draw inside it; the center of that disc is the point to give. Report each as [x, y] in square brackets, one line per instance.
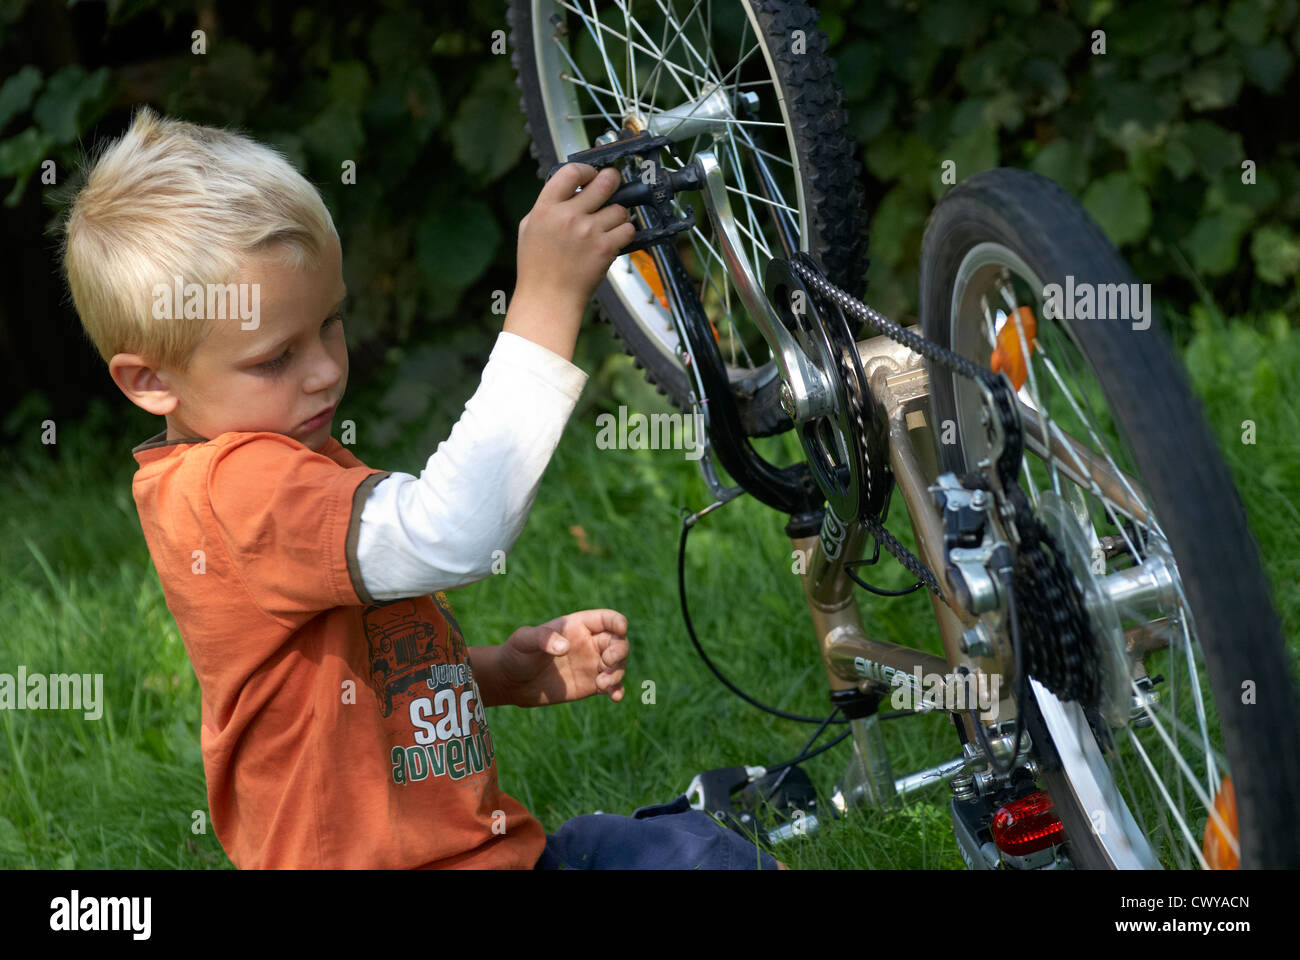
[847, 448]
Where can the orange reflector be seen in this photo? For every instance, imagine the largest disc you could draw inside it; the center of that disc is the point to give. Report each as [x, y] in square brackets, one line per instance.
[1006, 357]
[645, 266]
[1216, 847]
[1027, 825]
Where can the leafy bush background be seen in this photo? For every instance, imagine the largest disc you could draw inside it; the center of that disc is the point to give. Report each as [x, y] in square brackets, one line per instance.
[1151, 137]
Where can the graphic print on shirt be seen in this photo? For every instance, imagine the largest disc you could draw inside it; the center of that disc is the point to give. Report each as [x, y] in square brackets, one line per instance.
[420, 669]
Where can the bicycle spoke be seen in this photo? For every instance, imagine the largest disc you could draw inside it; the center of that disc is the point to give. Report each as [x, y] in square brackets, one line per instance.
[1105, 451]
[631, 50]
[681, 32]
[754, 233]
[1186, 772]
[1211, 771]
[770, 203]
[1182, 824]
[583, 80]
[1014, 317]
[659, 55]
[770, 156]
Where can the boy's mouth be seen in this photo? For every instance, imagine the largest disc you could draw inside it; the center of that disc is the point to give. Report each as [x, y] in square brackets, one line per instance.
[319, 420]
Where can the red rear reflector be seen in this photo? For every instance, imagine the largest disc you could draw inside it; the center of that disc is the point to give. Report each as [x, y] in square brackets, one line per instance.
[1027, 825]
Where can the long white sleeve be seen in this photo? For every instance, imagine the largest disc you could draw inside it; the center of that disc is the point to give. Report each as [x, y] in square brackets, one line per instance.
[440, 530]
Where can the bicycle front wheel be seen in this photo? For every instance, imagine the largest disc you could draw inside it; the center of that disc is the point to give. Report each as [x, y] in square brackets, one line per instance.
[1125, 472]
[749, 80]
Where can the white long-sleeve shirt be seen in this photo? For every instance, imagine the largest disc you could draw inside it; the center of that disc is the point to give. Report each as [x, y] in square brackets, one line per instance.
[442, 529]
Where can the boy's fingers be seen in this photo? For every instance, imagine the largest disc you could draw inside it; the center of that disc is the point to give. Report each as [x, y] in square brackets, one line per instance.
[621, 236]
[567, 179]
[615, 650]
[543, 639]
[615, 215]
[601, 620]
[595, 193]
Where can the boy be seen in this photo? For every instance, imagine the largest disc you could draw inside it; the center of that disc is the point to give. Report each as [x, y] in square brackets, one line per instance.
[343, 716]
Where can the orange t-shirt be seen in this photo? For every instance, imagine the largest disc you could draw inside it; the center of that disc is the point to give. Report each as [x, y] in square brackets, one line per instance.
[336, 731]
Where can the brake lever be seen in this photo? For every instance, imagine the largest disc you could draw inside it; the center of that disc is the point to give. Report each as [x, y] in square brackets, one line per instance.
[654, 188]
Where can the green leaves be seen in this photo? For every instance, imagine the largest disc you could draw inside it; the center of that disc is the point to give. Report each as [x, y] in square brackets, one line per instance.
[1246, 21]
[970, 153]
[1063, 162]
[455, 245]
[17, 92]
[1212, 148]
[488, 133]
[19, 155]
[1276, 252]
[71, 100]
[1213, 84]
[1267, 66]
[1120, 206]
[67, 96]
[1215, 240]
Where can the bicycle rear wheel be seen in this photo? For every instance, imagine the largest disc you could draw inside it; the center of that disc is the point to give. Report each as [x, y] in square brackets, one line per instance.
[1141, 488]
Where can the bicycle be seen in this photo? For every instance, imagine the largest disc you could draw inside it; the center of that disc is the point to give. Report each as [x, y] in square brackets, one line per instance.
[1146, 714]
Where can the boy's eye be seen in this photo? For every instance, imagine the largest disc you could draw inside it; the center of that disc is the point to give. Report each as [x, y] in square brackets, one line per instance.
[275, 364]
[282, 359]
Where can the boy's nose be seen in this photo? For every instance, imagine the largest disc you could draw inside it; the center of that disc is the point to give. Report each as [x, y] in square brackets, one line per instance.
[326, 371]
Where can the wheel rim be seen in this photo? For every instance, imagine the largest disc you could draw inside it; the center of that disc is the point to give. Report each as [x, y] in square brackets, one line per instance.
[673, 58]
[1161, 775]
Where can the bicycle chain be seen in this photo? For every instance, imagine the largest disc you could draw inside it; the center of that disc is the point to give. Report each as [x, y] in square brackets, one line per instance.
[1057, 644]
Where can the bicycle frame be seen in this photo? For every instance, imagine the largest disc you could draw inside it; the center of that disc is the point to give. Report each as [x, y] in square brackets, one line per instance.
[852, 660]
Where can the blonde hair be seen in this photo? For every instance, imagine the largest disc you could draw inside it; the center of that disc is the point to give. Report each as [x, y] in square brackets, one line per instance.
[169, 199]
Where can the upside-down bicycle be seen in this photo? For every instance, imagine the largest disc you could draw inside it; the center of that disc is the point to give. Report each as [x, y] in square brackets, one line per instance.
[1075, 526]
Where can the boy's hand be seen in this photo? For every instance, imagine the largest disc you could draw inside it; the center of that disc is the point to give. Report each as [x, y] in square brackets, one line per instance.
[567, 242]
[568, 658]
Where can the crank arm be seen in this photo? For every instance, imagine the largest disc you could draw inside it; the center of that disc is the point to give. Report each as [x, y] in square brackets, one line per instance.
[810, 392]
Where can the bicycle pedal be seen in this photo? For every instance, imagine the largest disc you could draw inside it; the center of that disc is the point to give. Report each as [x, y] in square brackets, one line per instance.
[608, 154]
[755, 803]
[654, 187]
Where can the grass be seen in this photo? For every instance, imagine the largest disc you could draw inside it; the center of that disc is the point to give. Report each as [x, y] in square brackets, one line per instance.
[78, 593]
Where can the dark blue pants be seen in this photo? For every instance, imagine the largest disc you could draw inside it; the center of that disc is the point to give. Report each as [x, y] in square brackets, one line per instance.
[666, 836]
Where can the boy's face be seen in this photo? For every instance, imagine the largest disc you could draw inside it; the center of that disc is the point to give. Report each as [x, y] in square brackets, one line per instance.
[276, 377]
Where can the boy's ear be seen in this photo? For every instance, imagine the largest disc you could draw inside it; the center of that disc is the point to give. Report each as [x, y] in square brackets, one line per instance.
[136, 378]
